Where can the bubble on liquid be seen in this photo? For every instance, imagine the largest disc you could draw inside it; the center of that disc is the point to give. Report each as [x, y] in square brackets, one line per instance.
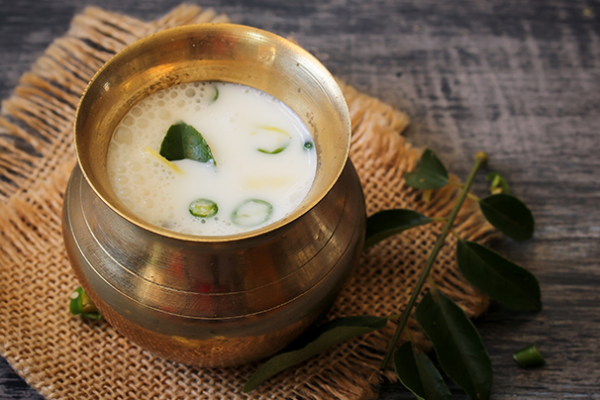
[135, 166]
[164, 114]
[128, 121]
[138, 179]
[142, 123]
[190, 92]
[137, 111]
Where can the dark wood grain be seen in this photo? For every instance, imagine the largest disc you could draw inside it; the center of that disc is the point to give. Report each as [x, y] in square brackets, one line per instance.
[518, 79]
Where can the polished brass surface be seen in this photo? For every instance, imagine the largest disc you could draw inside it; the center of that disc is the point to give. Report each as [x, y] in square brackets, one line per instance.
[220, 300]
[206, 52]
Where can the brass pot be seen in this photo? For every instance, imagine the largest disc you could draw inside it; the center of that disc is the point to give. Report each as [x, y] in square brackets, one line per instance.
[214, 300]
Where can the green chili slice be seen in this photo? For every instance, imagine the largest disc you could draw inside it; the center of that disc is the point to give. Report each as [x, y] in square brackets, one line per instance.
[529, 357]
[251, 213]
[81, 304]
[271, 140]
[203, 208]
[276, 151]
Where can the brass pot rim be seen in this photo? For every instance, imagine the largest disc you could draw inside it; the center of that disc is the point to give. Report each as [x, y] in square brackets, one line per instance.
[304, 208]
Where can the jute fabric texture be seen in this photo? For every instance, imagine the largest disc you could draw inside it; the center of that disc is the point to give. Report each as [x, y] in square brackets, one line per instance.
[65, 357]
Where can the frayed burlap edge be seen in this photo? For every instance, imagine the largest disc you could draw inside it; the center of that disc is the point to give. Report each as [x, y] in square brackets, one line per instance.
[65, 358]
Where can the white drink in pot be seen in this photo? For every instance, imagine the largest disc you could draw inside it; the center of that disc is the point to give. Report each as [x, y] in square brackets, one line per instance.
[262, 162]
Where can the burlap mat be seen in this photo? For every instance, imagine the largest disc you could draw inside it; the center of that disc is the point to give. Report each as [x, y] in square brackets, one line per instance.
[64, 357]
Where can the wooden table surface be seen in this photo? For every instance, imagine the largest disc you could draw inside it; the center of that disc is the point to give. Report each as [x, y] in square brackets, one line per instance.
[518, 79]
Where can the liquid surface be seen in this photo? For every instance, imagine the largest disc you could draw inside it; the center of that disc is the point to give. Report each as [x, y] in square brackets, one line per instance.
[263, 152]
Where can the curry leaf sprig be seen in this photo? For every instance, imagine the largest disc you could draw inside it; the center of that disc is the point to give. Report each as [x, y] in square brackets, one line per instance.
[458, 345]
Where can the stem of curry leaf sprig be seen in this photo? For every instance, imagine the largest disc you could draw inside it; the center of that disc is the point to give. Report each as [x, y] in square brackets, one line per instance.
[481, 159]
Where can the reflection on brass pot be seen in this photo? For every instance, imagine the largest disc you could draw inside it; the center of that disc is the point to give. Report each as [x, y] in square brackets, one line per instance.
[214, 300]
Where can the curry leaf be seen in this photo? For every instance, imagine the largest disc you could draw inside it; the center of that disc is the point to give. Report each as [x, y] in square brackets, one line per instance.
[416, 371]
[386, 223]
[429, 174]
[184, 141]
[314, 342]
[498, 277]
[509, 215]
[457, 343]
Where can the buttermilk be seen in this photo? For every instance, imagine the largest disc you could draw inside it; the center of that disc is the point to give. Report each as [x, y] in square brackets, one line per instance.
[264, 160]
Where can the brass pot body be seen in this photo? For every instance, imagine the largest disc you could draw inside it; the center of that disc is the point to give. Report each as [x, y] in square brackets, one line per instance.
[221, 300]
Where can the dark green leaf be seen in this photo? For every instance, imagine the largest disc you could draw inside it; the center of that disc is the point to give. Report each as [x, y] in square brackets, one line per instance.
[529, 357]
[429, 174]
[184, 141]
[498, 277]
[416, 371]
[457, 343]
[498, 183]
[509, 215]
[315, 342]
[386, 223]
